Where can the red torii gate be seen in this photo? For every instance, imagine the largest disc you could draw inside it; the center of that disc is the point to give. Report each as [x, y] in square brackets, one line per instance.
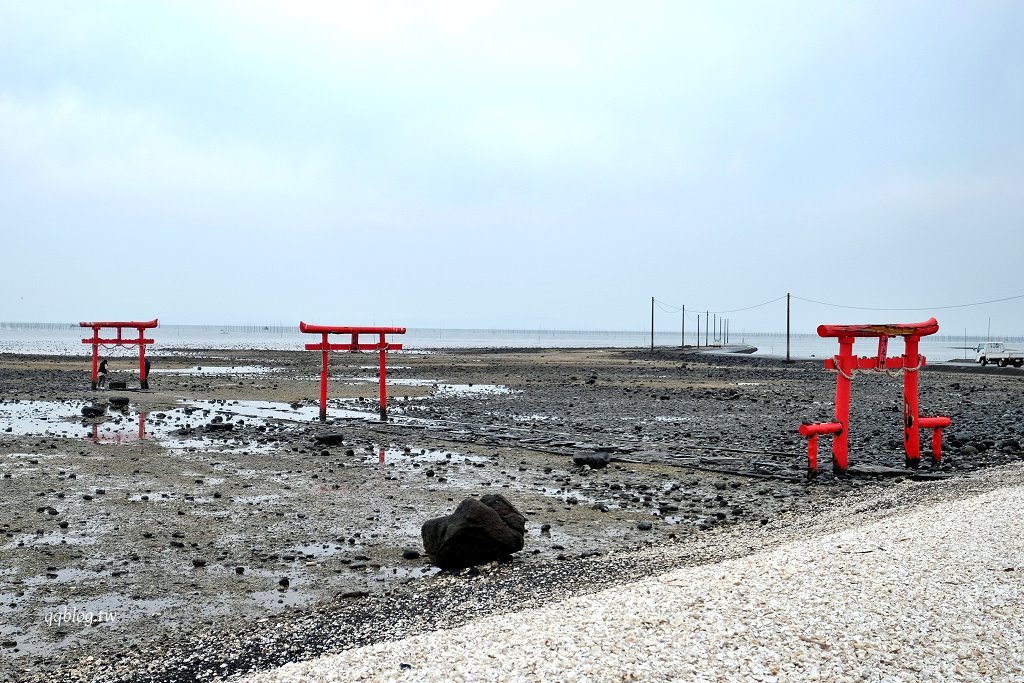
[382, 345]
[846, 363]
[141, 342]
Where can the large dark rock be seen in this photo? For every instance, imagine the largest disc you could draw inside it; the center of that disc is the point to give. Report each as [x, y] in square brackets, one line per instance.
[594, 460]
[333, 439]
[479, 531]
[93, 410]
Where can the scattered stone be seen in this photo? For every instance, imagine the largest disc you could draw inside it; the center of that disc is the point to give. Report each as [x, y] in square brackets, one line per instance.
[93, 410]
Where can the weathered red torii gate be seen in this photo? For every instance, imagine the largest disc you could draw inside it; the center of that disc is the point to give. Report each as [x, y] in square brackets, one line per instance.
[141, 342]
[846, 363]
[382, 345]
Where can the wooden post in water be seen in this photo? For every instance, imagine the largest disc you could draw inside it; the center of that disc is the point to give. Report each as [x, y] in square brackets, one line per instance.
[698, 330]
[652, 323]
[707, 319]
[682, 331]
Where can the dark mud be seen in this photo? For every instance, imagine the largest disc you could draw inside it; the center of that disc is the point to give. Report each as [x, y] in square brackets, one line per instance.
[228, 525]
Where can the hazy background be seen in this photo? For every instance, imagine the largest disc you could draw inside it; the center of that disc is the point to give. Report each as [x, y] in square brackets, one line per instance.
[511, 164]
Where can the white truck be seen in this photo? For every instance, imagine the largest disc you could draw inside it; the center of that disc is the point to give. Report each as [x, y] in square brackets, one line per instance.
[999, 353]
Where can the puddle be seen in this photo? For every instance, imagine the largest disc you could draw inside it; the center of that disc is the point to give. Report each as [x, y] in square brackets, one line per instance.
[64, 419]
[257, 500]
[235, 446]
[440, 388]
[315, 551]
[261, 411]
[276, 598]
[61, 576]
[216, 370]
[461, 389]
[42, 418]
[117, 425]
[69, 537]
[389, 456]
[404, 573]
[571, 496]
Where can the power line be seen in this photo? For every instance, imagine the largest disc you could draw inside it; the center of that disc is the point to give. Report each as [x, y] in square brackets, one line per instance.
[927, 308]
[668, 308]
[671, 307]
[747, 308]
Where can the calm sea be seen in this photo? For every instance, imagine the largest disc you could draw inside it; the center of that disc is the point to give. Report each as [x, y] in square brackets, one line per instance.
[66, 339]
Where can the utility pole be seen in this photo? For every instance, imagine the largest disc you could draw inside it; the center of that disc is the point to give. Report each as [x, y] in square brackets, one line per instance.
[706, 321]
[698, 330]
[787, 329]
[682, 331]
[652, 323]
[714, 328]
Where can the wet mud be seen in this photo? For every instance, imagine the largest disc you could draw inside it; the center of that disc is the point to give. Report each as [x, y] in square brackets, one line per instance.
[218, 498]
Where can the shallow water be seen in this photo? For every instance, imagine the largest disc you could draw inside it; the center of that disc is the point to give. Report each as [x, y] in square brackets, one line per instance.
[66, 339]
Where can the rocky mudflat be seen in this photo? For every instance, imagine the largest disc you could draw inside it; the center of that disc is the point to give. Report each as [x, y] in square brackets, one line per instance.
[213, 526]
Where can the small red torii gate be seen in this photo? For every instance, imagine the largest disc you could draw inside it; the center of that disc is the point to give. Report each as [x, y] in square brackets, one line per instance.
[846, 363]
[382, 345]
[141, 342]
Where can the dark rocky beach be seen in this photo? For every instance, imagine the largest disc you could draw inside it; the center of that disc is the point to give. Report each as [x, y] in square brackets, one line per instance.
[242, 533]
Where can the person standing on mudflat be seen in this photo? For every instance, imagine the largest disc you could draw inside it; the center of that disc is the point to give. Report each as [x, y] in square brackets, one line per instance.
[145, 376]
[102, 373]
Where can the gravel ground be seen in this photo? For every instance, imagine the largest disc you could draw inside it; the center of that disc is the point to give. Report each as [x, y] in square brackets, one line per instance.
[927, 594]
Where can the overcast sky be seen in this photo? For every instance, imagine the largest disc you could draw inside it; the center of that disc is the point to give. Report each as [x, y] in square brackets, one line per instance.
[511, 164]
